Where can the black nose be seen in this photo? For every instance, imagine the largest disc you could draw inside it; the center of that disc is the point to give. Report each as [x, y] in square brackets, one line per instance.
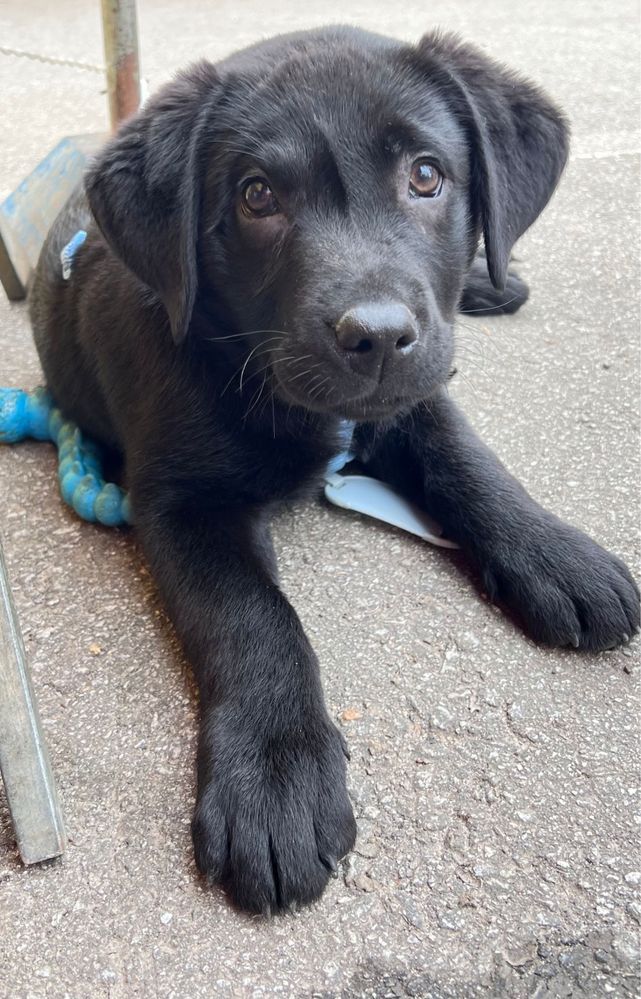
[376, 331]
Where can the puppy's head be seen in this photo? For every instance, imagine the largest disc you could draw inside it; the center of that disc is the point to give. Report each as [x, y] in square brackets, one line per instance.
[320, 197]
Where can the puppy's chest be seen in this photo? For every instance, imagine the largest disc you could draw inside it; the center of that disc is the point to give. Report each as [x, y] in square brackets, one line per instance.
[264, 469]
[286, 471]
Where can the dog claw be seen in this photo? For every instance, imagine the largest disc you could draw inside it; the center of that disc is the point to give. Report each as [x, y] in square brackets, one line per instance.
[575, 641]
[331, 863]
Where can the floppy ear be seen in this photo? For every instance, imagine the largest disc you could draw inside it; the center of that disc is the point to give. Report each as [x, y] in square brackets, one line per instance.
[519, 142]
[144, 190]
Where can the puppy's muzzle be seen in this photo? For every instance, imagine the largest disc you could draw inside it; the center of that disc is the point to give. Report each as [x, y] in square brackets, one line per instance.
[376, 335]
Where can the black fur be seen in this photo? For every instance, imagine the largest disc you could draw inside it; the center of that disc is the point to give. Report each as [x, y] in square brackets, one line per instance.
[217, 352]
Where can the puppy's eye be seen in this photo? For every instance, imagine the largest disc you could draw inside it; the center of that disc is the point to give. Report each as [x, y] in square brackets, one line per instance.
[258, 199]
[425, 180]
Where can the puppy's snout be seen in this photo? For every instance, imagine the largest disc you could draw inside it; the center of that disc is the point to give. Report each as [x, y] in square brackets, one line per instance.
[370, 333]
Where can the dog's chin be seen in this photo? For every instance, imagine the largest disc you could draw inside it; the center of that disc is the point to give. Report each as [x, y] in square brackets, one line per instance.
[366, 411]
[384, 402]
[371, 408]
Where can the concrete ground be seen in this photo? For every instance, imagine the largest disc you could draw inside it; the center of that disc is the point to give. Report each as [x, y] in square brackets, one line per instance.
[496, 783]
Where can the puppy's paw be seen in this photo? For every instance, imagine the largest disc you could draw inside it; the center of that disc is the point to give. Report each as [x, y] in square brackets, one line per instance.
[566, 588]
[273, 819]
[482, 298]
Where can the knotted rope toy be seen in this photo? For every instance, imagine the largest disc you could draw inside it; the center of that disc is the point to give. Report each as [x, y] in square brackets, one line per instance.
[83, 487]
[82, 484]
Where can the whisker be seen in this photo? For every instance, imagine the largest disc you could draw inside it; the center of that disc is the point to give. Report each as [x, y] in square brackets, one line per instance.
[261, 344]
[256, 396]
[303, 357]
[290, 357]
[425, 403]
[233, 336]
[314, 394]
[249, 357]
[468, 383]
[476, 339]
[301, 374]
[488, 308]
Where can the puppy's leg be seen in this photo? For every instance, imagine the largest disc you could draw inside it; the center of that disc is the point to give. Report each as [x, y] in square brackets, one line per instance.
[480, 296]
[272, 815]
[565, 588]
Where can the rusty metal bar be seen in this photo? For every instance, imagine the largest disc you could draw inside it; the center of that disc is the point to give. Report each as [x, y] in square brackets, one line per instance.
[24, 763]
[120, 32]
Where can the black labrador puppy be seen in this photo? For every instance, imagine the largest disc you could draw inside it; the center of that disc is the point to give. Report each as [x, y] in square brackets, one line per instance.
[276, 244]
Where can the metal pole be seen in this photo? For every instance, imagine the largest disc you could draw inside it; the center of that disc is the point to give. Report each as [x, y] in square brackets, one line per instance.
[24, 762]
[120, 32]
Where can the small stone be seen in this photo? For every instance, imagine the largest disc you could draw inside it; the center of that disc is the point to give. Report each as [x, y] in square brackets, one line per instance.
[95, 649]
[412, 915]
[349, 715]
[519, 956]
[634, 909]
[166, 918]
[540, 991]
[442, 719]
[108, 975]
[413, 705]
[626, 949]
[633, 878]
[524, 816]
[448, 921]
[567, 959]
[364, 883]
[367, 849]
[467, 642]
[456, 840]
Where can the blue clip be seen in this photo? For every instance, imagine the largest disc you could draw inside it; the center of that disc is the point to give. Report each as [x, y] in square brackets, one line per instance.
[346, 435]
[68, 252]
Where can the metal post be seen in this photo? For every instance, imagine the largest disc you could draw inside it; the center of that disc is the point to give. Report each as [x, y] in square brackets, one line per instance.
[120, 31]
[24, 762]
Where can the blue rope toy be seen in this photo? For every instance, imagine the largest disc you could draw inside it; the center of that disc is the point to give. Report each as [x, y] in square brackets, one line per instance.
[82, 485]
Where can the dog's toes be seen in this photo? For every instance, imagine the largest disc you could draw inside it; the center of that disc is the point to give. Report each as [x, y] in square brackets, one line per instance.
[480, 297]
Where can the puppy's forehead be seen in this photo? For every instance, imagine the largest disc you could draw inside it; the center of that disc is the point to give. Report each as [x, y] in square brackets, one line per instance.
[349, 97]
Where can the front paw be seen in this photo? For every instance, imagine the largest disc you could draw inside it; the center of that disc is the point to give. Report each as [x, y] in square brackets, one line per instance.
[566, 588]
[273, 816]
